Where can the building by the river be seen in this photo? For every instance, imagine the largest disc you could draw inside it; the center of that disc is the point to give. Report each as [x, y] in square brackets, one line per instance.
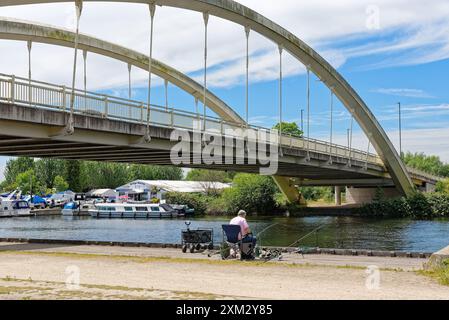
[149, 189]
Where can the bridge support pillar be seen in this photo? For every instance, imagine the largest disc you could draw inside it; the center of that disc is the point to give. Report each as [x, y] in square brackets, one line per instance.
[288, 189]
[338, 196]
[368, 195]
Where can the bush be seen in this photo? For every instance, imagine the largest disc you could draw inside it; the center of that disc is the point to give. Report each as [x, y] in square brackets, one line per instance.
[419, 205]
[217, 207]
[252, 193]
[439, 203]
[197, 201]
[386, 208]
[317, 193]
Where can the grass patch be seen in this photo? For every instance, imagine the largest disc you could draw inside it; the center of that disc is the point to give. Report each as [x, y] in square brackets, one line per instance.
[57, 290]
[17, 289]
[439, 273]
[205, 261]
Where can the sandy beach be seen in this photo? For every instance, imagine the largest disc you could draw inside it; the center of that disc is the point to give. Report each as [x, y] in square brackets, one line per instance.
[39, 271]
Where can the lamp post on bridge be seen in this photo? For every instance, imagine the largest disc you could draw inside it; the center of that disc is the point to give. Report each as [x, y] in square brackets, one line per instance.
[347, 136]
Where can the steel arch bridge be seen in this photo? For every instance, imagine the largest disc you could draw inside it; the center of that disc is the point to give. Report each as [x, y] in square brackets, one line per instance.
[237, 13]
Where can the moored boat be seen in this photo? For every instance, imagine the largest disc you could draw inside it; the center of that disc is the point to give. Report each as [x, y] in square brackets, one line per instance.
[71, 209]
[132, 211]
[13, 206]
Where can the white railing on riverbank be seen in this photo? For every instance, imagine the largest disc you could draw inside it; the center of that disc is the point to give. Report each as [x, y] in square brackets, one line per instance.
[21, 91]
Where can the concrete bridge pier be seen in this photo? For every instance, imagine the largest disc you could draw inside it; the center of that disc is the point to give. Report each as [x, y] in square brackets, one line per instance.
[367, 195]
[338, 196]
[288, 189]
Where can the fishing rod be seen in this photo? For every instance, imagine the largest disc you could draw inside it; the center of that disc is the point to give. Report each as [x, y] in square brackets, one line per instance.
[307, 235]
[259, 233]
[267, 228]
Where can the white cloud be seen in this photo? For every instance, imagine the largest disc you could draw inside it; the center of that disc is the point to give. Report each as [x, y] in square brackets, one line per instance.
[402, 92]
[179, 38]
[428, 141]
[411, 32]
[413, 112]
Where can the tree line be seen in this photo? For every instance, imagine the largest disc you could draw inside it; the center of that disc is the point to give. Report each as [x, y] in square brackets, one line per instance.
[43, 176]
[429, 164]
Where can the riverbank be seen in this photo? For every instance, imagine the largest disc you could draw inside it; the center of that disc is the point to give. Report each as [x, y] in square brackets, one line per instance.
[40, 271]
[310, 251]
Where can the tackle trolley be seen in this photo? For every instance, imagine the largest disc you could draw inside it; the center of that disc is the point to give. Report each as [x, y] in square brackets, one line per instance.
[199, 239]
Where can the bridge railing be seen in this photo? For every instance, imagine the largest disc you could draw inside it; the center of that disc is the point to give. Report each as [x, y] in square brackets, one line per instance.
[17, 90]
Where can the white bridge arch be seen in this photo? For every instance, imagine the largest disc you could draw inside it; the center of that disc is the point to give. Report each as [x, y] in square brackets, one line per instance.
[237, 13]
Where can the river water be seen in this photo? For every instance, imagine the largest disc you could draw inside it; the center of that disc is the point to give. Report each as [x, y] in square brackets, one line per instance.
[336, 232]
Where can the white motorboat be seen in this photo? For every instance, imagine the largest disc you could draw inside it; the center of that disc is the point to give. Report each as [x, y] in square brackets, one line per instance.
[77, 208]
[132, 211]
[12, 206]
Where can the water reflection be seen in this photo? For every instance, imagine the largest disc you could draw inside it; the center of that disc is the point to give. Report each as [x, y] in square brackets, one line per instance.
[337, 232]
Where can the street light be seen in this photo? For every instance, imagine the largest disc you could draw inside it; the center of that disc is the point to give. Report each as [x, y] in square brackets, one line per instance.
[302, 120]
[348, 134]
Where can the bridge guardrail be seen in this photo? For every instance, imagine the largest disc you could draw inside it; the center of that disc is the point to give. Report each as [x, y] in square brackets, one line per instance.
[415, 173]
[22, 91]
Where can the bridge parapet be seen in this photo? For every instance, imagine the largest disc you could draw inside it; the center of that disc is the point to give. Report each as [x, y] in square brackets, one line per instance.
[424, 176]
[21, 91]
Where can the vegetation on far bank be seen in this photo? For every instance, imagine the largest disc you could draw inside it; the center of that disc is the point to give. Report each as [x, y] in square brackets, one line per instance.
[45, 176]
[417, 206]
[253, 193]
[429, 164]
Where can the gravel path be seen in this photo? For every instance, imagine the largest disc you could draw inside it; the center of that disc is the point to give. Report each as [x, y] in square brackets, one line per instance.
[144, 273]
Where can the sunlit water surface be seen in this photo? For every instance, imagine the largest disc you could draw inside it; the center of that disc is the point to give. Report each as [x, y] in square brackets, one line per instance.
[337, 232]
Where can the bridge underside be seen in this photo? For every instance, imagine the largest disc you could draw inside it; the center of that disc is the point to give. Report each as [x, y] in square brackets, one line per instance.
[28, 131]
[61, 149]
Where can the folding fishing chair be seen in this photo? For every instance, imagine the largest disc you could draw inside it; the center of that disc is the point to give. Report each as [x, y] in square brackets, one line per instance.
[232, 240]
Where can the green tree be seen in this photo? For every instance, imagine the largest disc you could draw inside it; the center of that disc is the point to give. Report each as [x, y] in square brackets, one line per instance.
[443, 186]
[14, 167]
[47, 170]
[27, 181]
[99, 175]
[316, 193]
[147, 172]
[252, 193]
[73, 175]
[289, 128]
[60, 184]
[429, 164]
[209, 175]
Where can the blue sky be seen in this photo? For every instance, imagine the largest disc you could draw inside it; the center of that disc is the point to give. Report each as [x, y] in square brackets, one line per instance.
[389, 51]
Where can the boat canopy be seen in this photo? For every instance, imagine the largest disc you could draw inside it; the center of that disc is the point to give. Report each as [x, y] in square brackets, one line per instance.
[71, 206]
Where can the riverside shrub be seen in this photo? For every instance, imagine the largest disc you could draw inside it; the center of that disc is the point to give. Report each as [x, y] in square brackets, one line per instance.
[252, 193]
[419, 205]
[196, 201]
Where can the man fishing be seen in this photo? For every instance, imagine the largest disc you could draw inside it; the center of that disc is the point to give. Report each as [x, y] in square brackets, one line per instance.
[246, 234]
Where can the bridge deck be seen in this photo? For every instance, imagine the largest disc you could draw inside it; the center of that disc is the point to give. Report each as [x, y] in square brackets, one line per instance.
[34, 132]
[32, 114]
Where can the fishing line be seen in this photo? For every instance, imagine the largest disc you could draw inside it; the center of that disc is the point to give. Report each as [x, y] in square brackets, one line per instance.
[307, 235]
